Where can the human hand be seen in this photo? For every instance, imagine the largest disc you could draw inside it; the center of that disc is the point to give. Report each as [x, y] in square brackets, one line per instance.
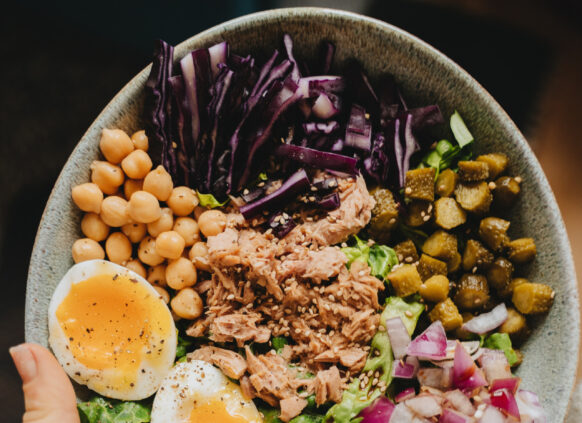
[48, 393]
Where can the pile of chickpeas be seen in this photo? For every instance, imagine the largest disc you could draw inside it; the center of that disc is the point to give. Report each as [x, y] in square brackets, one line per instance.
[136, 218]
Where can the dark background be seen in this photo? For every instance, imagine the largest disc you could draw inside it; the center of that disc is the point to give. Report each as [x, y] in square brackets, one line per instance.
[62, 63]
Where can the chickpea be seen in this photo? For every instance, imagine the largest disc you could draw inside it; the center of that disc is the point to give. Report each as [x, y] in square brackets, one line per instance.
[188, 229]
[115, 144]
[159, 183]
[93, 227]
[187, 304]
[144, 207]
[140, 140]
[107, 176]
[164, 296]
[212, 222]
[86, 249]
[163, 224]
[87, 197]
[147, 252]
[130, 186]
[198, 211]
[114, 211]
[180, 273]
[169, 245]
[118, 248]
[137, 164]
[157, 275]
[199, 256]
[134, 231]
[182, 201]
[135, 266]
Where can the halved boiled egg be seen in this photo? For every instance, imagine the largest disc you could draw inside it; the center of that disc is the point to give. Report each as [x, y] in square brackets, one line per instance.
[111, 331]
[196, 391]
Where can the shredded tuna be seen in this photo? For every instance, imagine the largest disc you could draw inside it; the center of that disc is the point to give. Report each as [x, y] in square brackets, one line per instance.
[291, 407]
[239, 327]
[232, 364]
[298, 287]
[328, 386]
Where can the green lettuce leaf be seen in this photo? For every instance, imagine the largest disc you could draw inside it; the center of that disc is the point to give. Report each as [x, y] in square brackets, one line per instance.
[271, 415]
[380, 258]
[355, 399]
[501, 341]
[278, 343]
[100, 410]
[208, 200]
[460, 131]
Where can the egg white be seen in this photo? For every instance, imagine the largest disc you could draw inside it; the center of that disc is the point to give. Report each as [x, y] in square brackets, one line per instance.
[147, 379]
[197, 380]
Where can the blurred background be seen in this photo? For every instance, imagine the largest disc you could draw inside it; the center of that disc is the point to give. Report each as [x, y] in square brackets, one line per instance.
[62, 62]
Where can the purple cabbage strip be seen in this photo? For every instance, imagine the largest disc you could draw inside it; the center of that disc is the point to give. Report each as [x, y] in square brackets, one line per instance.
[281, 224]
[377, 164]
[329, 202]
[263, 134]
[196, 71]
[218, 54]
[317, 159]
[289, 48]
[410, 147]
[181, 130]
[358, 88]
[320, 127]
[296, 184]
[359, 129]
[157, 102]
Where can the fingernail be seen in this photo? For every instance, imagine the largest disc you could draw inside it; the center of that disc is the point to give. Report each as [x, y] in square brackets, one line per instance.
[24, 362]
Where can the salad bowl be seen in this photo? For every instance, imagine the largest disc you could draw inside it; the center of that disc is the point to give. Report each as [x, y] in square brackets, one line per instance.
[426, 76]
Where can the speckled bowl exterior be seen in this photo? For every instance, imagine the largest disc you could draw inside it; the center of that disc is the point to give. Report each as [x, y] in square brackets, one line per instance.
[426, 77]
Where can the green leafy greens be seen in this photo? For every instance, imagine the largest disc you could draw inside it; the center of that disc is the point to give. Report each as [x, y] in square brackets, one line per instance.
[356, 398]
[501, 341]
[99, 410]
[208, 200]
[445, 154]
[380, 258]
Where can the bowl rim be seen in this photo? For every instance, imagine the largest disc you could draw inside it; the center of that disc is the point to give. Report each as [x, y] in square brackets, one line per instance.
[131, 89]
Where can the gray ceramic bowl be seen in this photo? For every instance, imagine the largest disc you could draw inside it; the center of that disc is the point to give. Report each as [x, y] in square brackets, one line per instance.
[426, 77]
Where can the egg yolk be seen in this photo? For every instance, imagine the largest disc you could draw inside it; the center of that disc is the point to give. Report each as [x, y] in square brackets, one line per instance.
[226, 406]
[114, 322]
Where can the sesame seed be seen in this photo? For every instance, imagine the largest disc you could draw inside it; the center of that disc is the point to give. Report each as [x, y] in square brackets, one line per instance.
[491, 185]
[297, 330]
[331, 297]
[392, 221]
[246, 191]
[230, 297]
[408, 191]
[408, 313]
[408, 259]
[518, 179]
[313, 188]
[474, 270]
[426, 218]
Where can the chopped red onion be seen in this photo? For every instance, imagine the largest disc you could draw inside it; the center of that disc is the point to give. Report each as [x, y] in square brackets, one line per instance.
[460, 402]
[379, 411]
[504, 400]
[404, 395]
[435, 378]
[451, 416]
[492, 415]
[511, 384]
[529, 406]
[430, 344]
[494, 364]
[466, 374]
[424, 405]
[401, 414]
[399, 336]
[486, 322]
[406, 369]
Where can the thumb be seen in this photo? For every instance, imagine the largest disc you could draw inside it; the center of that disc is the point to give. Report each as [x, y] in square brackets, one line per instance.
[48, 393]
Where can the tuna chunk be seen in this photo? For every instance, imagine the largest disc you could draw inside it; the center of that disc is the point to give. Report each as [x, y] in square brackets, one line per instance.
[240, 327]
[328, 386]
[353, 214]
[232, 364]
[291, 407]
[316, 265]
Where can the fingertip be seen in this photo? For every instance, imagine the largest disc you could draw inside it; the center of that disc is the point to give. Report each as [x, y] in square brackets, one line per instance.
[24, 361]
